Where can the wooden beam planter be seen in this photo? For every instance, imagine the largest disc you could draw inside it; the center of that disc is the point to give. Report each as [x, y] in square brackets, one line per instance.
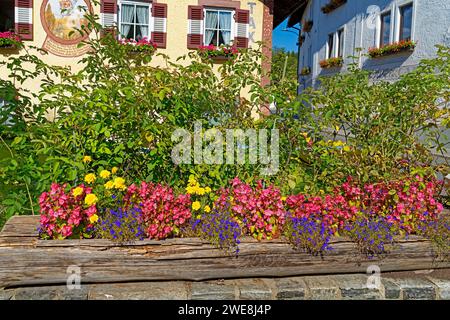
[27, 261]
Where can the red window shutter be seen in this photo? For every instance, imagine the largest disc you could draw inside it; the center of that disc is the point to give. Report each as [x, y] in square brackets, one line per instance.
[195, 32]
[23, 19]
[159, 33]
[108, 15]
[242, 19]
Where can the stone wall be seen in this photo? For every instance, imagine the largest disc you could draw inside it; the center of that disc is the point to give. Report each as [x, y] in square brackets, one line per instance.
[412, 286]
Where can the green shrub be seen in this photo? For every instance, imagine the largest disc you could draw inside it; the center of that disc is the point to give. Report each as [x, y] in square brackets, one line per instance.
[122, 113]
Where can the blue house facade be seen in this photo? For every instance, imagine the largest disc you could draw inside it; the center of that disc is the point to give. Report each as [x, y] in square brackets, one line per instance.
[336, 29]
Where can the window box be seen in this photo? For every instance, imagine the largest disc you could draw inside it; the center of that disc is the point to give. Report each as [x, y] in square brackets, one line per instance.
[221, 53]
[219, 58]
[393, 48]
[302, 40]
[307, 27]
[10, 41]
[143, 46]
[331, 63]
[305, 71]
[332, 5]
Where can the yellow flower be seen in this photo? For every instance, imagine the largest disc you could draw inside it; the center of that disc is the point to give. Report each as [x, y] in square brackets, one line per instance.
[114, 170]
[87, 159]
[109, 185]
[283, 198]
[192, 180]
[93, 218]
[119, 183]
[90, 199]
[200, 191]
[207, 209]
[190, 189]
[89, 178]
[105, 174]
[207, 189]
[305, 134]
[338, 143]
[196, 205]
[77, 191]
[346, 149]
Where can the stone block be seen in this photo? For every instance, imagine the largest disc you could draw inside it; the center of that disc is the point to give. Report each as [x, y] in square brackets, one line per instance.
[290, 289]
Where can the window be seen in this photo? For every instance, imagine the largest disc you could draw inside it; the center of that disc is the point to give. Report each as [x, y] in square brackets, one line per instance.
[6, 15]
[134, 20]
[218, 26]
[340, 37]
[406, 22]
[330, 45]
[385, 30]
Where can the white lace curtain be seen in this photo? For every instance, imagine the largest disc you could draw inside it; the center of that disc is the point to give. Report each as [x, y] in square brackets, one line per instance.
[134, 22]
[210, 26]
[218, 21]
[127, 20]
[225, 26]
[142, 19]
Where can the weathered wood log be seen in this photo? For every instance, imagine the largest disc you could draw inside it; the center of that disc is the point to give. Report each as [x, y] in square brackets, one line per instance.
[27, 261]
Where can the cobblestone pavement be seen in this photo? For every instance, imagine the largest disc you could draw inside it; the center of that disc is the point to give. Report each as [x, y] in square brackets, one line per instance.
[417, 285]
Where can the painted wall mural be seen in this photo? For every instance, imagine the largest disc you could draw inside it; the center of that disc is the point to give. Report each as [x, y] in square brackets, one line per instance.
[60, 19]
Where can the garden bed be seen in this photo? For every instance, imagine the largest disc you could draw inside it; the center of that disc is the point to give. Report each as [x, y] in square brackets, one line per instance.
[27, 261]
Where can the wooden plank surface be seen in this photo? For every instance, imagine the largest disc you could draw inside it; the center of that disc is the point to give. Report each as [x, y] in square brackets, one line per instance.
[27, 261]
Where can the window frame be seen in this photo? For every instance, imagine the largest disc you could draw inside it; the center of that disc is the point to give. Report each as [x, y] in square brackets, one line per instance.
[401, 20]
[340, 42]
[331, 49]
[135, 3]
[232, 27]
[387, 13]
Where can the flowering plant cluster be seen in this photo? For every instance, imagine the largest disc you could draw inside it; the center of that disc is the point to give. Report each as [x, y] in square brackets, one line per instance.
[438, 231]
[200, 197]
[121, 225]
[220, 229]
[260, 211]
[143, 45]
[404, 203]
[67, 213]
[212, 51]
[332, 210]
[9, 39]
[308, 233]
[392, 48]
[374, 236]
[371, 215]
[163, 212]
[331, 62]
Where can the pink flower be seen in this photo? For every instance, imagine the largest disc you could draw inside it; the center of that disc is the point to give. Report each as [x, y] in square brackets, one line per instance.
[66, 231]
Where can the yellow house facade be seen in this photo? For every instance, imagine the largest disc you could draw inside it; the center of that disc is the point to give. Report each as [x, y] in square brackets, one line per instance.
[175, 26]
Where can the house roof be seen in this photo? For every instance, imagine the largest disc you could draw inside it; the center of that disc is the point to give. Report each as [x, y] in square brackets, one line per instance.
[288, 8]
